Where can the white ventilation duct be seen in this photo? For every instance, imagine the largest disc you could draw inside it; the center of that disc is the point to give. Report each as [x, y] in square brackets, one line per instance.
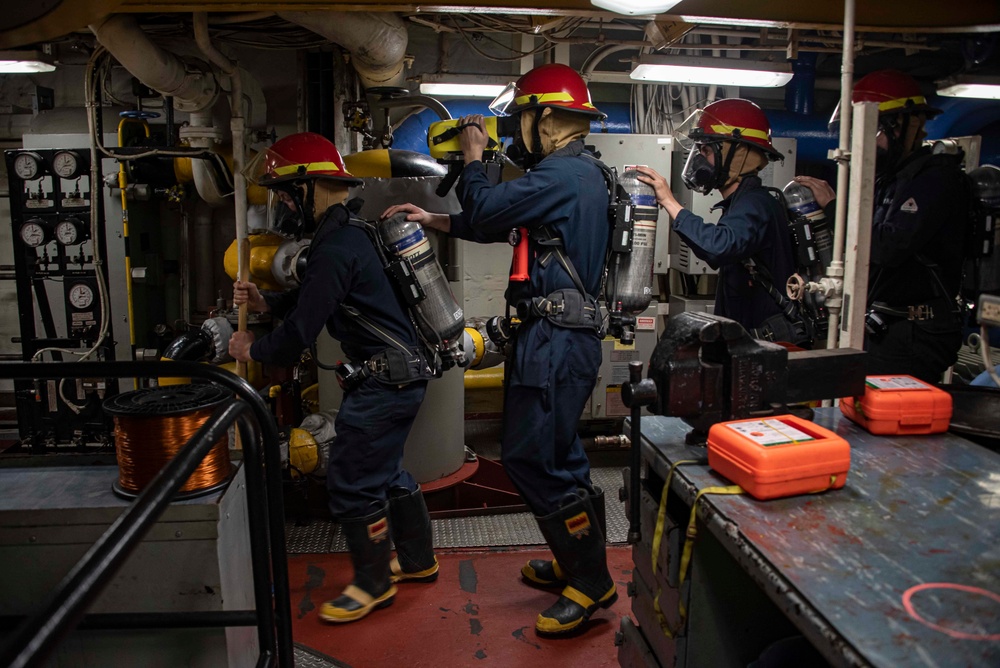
[191, 83]
[376, 41]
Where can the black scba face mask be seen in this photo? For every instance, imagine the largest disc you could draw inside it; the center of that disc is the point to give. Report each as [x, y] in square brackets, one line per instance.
[300, 221]
[699, 174]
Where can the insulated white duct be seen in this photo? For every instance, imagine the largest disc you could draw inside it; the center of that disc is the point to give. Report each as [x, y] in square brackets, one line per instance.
[377, 41]
[192, 85]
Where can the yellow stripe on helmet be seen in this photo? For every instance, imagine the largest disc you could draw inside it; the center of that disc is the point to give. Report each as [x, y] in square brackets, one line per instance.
[285, 170]
[901, 102]
[744, 132]
[544, 98]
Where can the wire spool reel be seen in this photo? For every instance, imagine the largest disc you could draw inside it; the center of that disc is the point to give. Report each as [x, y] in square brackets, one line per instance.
[153, 425]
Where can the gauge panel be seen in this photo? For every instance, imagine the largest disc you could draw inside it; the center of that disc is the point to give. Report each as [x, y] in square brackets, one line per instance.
[35, 232]
[28, 166]
[81, 296]
[71, 231]
[66, 164]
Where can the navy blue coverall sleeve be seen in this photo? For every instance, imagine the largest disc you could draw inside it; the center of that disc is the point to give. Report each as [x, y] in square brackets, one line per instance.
[496, 209]
[739, 234]
[280, 303]
[326, 283]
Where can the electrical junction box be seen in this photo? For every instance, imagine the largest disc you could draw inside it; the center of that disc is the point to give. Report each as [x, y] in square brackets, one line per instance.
[606, 399]
[195, 558]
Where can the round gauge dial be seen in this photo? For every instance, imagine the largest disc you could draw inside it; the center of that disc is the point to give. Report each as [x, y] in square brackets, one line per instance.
[81, 296]
[70, 231]
[66, 164]
[28, 166]
[34, 233]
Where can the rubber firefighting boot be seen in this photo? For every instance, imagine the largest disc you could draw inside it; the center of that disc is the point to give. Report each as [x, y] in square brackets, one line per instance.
[544, 573]
[410, 525]
[368, 542]
[577, 543]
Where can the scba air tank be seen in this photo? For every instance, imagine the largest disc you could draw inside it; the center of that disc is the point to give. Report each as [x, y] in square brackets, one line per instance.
[438, 315]
[802, 203]
[630, 275]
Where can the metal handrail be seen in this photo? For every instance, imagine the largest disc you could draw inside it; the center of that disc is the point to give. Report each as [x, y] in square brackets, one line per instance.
[36, 637]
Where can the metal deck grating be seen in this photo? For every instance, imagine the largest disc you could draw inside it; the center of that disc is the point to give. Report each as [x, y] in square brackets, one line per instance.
[318, 536]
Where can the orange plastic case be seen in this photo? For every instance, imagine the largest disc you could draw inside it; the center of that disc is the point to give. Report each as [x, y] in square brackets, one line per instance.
[899, 405]
[778, 456]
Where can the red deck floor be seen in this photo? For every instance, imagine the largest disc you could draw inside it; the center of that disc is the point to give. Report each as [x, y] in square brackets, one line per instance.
[478, 613]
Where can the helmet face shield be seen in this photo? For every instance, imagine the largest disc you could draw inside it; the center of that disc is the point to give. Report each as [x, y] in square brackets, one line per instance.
[691, 131]
[505, 100]
[269, 167]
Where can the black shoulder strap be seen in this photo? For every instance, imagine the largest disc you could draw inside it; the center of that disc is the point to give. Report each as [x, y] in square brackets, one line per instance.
[546, 238]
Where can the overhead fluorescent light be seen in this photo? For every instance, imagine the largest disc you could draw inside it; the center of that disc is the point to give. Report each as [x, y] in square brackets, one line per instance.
[636, 7]
[463, 85]
[24, 62]
[718, 71]
[982, 87]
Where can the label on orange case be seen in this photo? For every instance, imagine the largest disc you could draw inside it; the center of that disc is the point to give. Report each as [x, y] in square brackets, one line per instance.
[895, 383]
[770, 432]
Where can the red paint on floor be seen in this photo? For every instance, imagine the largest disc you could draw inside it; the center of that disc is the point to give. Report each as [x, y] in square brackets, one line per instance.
[478, 613]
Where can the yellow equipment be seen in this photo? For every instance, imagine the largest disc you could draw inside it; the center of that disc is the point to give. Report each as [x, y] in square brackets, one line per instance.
[442, 136]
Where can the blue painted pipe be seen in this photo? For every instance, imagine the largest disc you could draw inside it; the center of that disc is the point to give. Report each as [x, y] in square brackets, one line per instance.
[412, 134]
[959, 117]
[800, 92]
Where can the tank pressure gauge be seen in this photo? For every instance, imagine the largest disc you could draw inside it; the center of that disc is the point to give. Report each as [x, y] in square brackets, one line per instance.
[34, 233]
[81, 296]
[66, 164]
[28, 166]
[70, 231]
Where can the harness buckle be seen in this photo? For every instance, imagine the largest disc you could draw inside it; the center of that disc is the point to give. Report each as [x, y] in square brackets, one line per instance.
[920, 312]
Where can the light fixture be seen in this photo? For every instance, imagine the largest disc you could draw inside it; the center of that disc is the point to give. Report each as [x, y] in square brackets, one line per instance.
[635, 7]
[964, 85]
[718, 71]
[24, 62]
[463, 85]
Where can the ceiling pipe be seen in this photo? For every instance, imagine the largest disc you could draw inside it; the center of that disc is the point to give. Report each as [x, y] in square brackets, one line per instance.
[190, 83]
[376, 41]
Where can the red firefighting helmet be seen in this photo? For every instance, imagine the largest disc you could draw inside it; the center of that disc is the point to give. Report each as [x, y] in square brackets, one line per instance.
[895, 93]
[732, 119]
[557, 86]
[305, 155]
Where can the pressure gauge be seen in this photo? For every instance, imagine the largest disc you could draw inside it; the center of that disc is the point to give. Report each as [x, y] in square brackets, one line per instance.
[35, 232]
[66, 164]
[81, 296]
[28, 166]
[70, 231]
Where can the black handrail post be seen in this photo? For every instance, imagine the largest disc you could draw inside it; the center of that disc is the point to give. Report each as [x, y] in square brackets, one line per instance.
[256, 505]
[87, 579]
[264, 480]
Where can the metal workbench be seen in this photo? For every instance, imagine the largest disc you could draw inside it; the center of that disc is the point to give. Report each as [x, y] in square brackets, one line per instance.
[901, 567]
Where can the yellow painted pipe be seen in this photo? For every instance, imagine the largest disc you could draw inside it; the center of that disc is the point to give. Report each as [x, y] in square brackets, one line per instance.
[262, 250]
[484, 379]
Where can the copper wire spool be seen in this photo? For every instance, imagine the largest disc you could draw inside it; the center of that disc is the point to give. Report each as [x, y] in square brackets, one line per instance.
[153, 425]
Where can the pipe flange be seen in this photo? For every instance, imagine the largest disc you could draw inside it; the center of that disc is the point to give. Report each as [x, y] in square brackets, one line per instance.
[194, 133]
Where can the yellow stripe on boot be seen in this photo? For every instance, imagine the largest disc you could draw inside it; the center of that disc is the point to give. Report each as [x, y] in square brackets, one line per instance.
[543, 573]
[426, 575]
[354, 603]
[571, 610]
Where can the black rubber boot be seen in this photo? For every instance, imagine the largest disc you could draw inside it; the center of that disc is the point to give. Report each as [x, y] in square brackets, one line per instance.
[410, 525]
[368, 542]
[577, 543]
[547, 574]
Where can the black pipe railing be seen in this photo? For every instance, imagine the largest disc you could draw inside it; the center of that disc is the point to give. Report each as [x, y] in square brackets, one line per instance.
[65, 608]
